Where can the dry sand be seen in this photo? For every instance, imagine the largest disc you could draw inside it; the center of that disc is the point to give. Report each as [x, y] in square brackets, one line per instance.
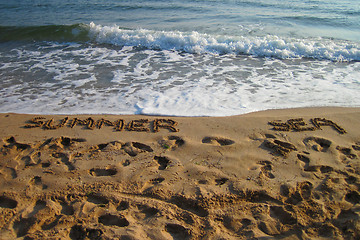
[240, 177]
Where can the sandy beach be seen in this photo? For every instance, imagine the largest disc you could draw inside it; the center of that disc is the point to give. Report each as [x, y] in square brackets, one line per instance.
[277, 174]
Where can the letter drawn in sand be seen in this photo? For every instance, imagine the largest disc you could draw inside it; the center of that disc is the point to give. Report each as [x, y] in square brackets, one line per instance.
[298, 125]
[103, 122]
[75, 121]
[318, 122]
[49, 124]
[35, 122]
[139, 125]
[165, 123]
[90, 123]
[119, 125]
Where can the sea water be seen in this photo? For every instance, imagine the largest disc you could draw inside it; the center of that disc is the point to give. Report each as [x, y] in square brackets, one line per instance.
[178, 58]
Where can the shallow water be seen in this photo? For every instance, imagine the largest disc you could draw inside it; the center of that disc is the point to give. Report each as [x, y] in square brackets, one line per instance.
[182, 58]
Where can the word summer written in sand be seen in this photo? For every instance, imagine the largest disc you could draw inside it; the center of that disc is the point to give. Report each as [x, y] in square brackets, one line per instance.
[139, 125]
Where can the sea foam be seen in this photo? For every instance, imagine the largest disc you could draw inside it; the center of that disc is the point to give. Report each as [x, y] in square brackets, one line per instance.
[121, 71]
[195, 42]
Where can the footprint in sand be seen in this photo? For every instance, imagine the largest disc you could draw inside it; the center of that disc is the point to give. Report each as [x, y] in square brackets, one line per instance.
[318, 144]
[23, 225]
[353, 197]
[272, 219]
[65, 159]
[134, 148]
[177, 231]
[356, 146]
[146, 211]
[348, 152]
[266, 169]
[172, 142]
[131, 148]
[20, 151]
[221, 181]
[162, 161]
[8, 173]
[11, 142]
[203, 181]
[351, 179]
[284, 216]
[97, 148]
[66, 208]
[32, 159]
[6, 202]
[33, 210]
[37, 182]
[237, 224]
[280, 147]
[50, 223]
[100, 172]
[306, 161]
[157, 180]
[142, 146]
[303, 191]
[218, 140]
[29, 218]
[97, 199]
[268, 135]
[313, 168]
[123, 206]
[81, 232]
[113, 220]
[62, 142]
[218, 181]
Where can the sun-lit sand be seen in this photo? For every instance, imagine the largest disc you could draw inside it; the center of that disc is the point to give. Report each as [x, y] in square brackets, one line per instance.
[287, 174]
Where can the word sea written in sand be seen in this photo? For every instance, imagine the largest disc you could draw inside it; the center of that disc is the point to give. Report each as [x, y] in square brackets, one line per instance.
[298, 125]
[139, 125]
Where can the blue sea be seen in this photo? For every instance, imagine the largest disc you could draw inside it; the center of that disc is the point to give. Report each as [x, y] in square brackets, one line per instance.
[178, 58]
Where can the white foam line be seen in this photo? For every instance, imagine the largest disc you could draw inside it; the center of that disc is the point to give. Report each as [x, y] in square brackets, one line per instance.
[194, 42]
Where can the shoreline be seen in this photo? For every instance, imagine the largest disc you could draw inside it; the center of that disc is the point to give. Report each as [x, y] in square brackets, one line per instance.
[285, 173]
[293, 109]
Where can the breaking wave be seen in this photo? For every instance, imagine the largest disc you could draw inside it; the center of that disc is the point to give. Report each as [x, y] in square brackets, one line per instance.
[190, 42]
[194, 42]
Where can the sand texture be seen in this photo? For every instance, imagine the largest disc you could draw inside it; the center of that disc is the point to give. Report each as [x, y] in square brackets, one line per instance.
[279, 174]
